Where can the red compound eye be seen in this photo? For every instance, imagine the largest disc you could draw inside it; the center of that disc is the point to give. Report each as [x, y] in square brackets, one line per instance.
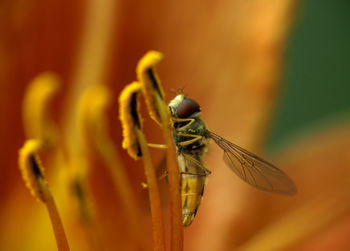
[187, 107]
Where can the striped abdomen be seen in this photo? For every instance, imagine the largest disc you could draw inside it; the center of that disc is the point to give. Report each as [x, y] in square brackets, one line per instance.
[192, 188]
[193, 178]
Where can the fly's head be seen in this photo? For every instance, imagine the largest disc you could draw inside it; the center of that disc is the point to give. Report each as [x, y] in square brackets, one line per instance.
[190, 133]
[182, 107]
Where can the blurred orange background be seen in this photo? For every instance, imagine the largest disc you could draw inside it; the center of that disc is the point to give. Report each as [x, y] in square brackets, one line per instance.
[247, 63]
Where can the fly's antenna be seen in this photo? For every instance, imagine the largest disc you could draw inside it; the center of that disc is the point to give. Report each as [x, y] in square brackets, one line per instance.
[177, 91]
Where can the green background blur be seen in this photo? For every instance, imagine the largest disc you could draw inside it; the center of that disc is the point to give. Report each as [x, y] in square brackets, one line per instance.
[316, 81]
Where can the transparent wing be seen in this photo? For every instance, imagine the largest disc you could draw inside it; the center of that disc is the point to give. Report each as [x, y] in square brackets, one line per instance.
[192, 165]
[254, 170]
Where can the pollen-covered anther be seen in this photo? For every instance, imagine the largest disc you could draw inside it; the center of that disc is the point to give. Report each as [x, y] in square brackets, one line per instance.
[31, 168]
[34, 179]
[130, 118]
[38, 123]
[151, 87]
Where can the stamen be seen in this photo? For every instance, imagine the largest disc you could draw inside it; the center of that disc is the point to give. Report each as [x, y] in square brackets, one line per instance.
[151, 86]
[33, 176]
[37, 122]
[159, 112]
[130, 118]
[80, 167]
[154, 194]
[31, 168]
[98, 100]
[134, 138]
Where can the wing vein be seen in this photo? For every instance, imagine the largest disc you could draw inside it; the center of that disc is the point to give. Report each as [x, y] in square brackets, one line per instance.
[253, 169]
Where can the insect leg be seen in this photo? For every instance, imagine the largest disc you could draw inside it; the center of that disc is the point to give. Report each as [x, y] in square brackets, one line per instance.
[190, 141]
[161, 146]
[161, 177]
[164, 175]
[207, 172]
[190, 122]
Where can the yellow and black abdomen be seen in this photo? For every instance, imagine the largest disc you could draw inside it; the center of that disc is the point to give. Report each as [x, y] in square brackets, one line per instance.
[192, 188]
[193, 179]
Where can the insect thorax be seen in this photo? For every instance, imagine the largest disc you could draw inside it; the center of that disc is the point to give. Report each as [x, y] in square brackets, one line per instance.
[196, 128]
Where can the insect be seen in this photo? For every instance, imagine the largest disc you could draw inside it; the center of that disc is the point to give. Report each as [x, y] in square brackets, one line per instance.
[192, 137]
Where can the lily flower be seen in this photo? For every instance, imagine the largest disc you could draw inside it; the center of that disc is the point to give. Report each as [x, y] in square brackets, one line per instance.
[229, 56]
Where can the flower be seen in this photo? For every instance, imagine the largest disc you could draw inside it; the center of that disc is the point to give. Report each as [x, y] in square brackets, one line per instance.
[130, 118]
[228, 56]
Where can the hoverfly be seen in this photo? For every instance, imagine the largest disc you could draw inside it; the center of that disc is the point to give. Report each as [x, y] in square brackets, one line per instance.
[191, 138]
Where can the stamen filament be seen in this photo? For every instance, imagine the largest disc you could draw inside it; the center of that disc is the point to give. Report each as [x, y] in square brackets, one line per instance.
[154, 195]
[61, 239]
[136, 144]
[158, 110]
[33, 176]
[98, 100]
[176, 240]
